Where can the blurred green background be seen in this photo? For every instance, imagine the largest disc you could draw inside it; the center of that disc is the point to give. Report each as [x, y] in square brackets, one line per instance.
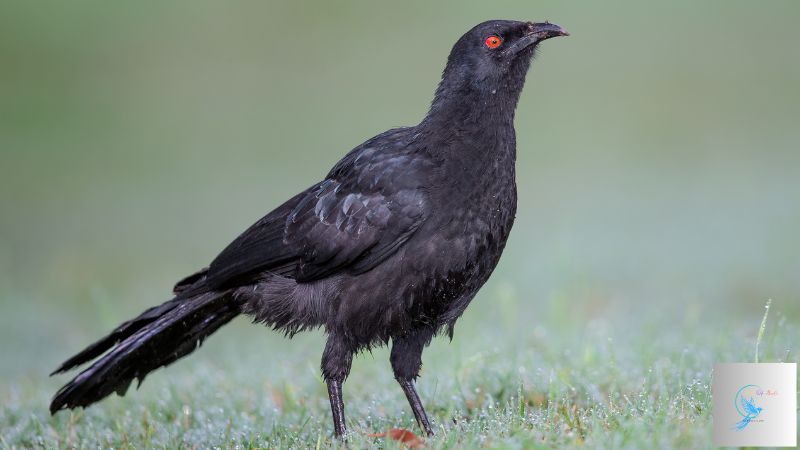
[658, 163]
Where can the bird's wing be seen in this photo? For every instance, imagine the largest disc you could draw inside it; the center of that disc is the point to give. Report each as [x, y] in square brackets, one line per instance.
[350, 222]
[336, 228]
[749, 407]
[260, 246]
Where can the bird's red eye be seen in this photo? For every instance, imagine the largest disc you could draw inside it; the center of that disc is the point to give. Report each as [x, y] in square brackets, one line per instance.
[493, 41]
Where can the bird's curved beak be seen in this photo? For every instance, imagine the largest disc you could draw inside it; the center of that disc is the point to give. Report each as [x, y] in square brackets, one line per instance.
[537, 32]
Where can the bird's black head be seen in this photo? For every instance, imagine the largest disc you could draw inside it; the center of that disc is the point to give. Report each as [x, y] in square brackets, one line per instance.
[492, 59]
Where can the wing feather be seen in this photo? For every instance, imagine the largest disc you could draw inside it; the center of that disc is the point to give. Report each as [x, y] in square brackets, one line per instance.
[370, 205]
[749, 406]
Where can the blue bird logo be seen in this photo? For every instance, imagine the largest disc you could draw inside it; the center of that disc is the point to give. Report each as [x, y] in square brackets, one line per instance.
[746, 407]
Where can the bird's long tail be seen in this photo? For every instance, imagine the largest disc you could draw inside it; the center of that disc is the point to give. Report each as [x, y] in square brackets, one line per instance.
[154, 339]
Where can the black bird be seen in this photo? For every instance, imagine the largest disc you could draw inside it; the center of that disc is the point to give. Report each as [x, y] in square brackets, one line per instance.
[392, 245]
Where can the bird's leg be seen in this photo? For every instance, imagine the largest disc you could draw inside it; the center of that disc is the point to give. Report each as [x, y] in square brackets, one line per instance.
[416, 405]
[337, 407]
[406, 358]
[336, 361]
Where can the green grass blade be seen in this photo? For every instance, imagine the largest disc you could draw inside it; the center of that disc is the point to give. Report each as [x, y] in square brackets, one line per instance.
[763, 326]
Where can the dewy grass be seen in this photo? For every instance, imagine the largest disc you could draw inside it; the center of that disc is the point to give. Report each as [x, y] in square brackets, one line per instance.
[762, 327]
[656, 394]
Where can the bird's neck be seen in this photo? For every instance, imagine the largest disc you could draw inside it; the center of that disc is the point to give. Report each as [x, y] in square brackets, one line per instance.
[469, 110]
[474, 137]
[467, 102]
[474, 129]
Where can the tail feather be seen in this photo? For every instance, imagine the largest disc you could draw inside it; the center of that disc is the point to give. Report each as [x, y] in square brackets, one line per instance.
[119, 334]
[157, 338]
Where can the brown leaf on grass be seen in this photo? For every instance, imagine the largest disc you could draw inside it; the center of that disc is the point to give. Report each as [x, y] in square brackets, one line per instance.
[402, 435]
